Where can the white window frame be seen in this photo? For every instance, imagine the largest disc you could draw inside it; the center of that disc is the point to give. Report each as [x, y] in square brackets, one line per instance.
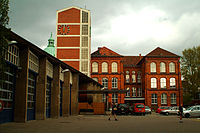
[139, 77]
[114, 98]
[172, 83]
[104, 67]
[163, 84]
[173, 98]
[134, 92]
[153, 83]
[128, 92]
[105, 82]
[139, 92]
[133, 77]
[172, 67]
[95, 67]
[162, 67]
[114, 67]
[163, 98]
[154, 98]
[153, 67]
[114, 83]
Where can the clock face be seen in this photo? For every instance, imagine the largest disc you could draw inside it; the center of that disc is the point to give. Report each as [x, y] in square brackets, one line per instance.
[63, 29]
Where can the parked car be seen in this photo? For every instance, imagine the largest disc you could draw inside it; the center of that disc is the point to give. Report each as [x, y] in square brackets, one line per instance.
[172, 110]
[162, 108]
[193, 111]
[147, 110]
[123, 109]
[139, 108]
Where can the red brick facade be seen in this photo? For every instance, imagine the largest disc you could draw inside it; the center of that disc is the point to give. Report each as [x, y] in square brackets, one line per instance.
[134, 74]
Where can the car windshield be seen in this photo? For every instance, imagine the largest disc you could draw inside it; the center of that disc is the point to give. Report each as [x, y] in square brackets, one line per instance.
[140, 106]
[189, 108]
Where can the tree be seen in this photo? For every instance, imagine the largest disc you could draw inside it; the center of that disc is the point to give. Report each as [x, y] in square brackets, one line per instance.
[190, 68]
[4, 19]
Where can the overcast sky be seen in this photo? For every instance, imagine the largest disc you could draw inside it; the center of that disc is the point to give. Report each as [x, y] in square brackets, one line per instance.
[128, 27]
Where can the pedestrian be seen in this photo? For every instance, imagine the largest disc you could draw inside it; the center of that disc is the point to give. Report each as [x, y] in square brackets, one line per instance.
[181, 112]
[113, 112]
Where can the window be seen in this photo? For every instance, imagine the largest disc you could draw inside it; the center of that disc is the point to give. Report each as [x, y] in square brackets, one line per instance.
[7, 87]
[172, 67]
[172, 83]
[31, 90]
[84, 53]
[114, 82]
[153, 98]
[95, 67]
[84, 41]
[162, 67]
[33, 62]
[13, 55]
[133, 77]
[84, 66]
[48, 97]
[139, 77]
[114, 98]
[134, 92]
[104, 67]
[163, 98]
[84, 17]
[127, 76]
[173, 98]
[114, 67]
[153, 67]
[128, 92]
[162, 82]
[105, 83]
[84, 29]
[139, 92]
[95, 79]
[153, 83]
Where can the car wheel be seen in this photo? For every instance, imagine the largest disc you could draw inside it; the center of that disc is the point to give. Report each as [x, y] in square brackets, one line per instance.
[167, 113]
[187, 115]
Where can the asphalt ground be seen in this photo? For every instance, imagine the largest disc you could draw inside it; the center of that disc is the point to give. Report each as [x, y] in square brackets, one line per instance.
[153, 123]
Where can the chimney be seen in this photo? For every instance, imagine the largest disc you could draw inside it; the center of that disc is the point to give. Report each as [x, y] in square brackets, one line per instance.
[140, 56]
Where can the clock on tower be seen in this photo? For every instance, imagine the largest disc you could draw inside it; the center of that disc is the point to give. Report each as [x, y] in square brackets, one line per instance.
[63, 29]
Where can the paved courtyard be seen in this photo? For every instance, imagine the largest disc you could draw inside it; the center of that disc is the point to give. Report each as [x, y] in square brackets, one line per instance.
[99, 124]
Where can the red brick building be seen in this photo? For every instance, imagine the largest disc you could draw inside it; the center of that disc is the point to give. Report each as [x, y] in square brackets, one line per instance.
[73, 38]
[153, 79]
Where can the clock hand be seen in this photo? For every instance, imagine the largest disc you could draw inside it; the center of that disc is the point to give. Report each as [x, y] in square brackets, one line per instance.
[64, 28]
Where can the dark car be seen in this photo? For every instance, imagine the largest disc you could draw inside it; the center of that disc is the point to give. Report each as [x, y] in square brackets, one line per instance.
[123, 109]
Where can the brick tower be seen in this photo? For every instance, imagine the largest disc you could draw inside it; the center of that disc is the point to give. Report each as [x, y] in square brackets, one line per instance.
[73, 38]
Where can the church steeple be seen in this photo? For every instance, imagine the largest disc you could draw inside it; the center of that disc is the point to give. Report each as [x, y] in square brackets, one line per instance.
[51, 41]
[50, 48]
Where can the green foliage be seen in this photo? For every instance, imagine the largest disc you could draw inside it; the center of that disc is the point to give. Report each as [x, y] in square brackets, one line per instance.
[4, 19]
[190, 68]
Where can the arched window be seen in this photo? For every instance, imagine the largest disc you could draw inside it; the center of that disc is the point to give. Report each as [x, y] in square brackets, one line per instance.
[153, 67]
[153, 83]
[162, 67]
[105, 83]
[94, 67]
[172, 67]
[127, 77]
[104, 67]
[162, 82]
[134, 92]
[114, 67]
[153, 98]
[172, 83]
[133, 77]
[114, 83]
[173, 98]
[128, 92]
[139, 77]
[163, 98]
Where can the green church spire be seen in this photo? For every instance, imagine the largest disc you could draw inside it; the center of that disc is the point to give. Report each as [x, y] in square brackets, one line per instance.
[50, 48]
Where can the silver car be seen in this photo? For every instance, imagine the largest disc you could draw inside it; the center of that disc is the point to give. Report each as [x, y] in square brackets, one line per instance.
[193, 111]
[147, 110]
[172, 110]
